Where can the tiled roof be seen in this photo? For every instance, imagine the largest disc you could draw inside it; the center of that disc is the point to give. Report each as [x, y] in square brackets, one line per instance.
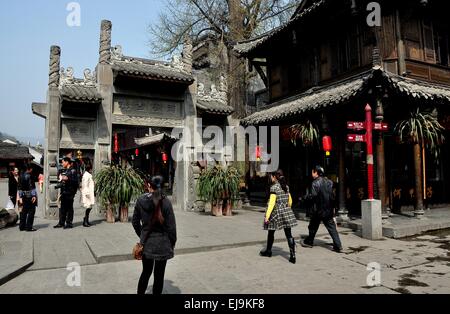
[339, 92]
[12, 151]
[245, 47]
[418, 88]
[313, 99]
[151, 69]
[80, 93]
[215, 107]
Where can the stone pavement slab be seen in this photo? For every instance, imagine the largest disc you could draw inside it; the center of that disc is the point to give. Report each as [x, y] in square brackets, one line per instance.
[405, 225]
[15, 258]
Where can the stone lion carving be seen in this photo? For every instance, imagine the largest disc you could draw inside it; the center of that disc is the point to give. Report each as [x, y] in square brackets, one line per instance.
[89, 79]
[67, 75]
[116, 52]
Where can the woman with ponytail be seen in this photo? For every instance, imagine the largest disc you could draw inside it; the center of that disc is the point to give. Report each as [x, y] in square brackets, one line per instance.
[154, 223]
[279, 214]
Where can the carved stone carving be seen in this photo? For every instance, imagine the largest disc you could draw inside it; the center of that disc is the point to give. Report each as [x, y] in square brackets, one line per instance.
[89, 79]
[77, 132]
[55, 57]
[187, 54]
[201, 89]
[105, 42]
[67, 76]
[147, 121]
[214, 95]
[145, 107]
[116, 52]
[177, 63]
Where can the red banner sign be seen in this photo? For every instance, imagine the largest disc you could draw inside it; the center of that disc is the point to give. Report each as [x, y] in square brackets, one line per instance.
[356, 137]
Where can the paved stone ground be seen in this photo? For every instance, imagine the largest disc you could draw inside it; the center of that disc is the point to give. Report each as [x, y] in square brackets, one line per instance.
[220, 255]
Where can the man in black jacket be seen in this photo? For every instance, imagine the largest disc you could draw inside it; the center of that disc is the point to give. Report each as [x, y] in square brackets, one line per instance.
[69, 186]
[322, 198]
[28, 199]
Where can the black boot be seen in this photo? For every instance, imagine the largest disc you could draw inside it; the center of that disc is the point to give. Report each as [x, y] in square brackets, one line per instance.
[266, 252]
[85, 222]
[291, 243]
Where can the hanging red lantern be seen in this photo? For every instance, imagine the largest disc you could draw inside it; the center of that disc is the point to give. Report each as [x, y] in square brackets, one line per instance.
[116, 143]
[165, 158]
[327, 144]
[137, 152]
[258, 153]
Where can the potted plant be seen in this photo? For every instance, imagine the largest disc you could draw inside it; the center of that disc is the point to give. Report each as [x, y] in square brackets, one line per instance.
[232, 187]
[422, 129]
[116, 186]
[306, 131]
[220, 187]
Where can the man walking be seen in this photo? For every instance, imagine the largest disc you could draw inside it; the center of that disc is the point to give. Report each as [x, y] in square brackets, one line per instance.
[322, 198]
[69, 187]
[27, 199]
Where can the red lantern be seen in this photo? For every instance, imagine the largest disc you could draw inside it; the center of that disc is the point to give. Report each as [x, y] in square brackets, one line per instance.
[116, 143]
[137, 152]
[327, 144]
[258, 153]
[164, 157]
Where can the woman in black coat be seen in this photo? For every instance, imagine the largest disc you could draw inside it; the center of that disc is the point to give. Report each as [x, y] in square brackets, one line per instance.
[154, 223]
[13, 185]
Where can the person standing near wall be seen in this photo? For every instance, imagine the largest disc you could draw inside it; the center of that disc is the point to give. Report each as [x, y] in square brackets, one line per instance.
[69, 186]
[13, 186]
[28, 199]
[87, 194]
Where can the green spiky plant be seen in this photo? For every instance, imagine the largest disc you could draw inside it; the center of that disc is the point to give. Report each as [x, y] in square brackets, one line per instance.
[306, 131]
[422, 129]
[216, 184]
[116, 187]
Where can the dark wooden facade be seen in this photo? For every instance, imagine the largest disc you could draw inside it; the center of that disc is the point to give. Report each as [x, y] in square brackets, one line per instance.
[329, 42]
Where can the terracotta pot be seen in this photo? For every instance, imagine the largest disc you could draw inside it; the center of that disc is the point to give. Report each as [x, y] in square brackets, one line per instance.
[216, 208]
[124, 214]
[227, 209]
[110, 215]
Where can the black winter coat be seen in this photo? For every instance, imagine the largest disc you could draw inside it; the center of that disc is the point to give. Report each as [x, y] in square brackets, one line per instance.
[160, 243]
[322, 197]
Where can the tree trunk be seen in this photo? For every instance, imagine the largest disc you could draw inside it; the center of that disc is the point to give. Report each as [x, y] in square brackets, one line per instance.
[236, 67]
[110, 214]
[418, 178]
[124, 213]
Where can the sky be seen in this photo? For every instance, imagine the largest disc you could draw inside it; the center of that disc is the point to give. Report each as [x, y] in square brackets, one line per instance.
[29, 27]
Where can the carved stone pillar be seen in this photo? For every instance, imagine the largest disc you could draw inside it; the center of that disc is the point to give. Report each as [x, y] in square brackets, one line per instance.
[52, 135]
[187, 54]
[105, 42]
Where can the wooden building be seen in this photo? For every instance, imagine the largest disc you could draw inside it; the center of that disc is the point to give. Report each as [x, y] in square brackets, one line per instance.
[327, 63]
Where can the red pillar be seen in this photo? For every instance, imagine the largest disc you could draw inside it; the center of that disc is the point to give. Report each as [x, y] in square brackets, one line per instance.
[369, 152]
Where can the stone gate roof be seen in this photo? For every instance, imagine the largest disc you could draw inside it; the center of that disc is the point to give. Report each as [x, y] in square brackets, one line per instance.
[214, 107]
[80, 93]
[147, 68]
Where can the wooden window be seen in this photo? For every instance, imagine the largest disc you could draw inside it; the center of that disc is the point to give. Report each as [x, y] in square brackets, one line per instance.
[428, 42]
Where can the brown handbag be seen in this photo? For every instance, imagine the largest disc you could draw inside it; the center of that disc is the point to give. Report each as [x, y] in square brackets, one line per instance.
[138, 250]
